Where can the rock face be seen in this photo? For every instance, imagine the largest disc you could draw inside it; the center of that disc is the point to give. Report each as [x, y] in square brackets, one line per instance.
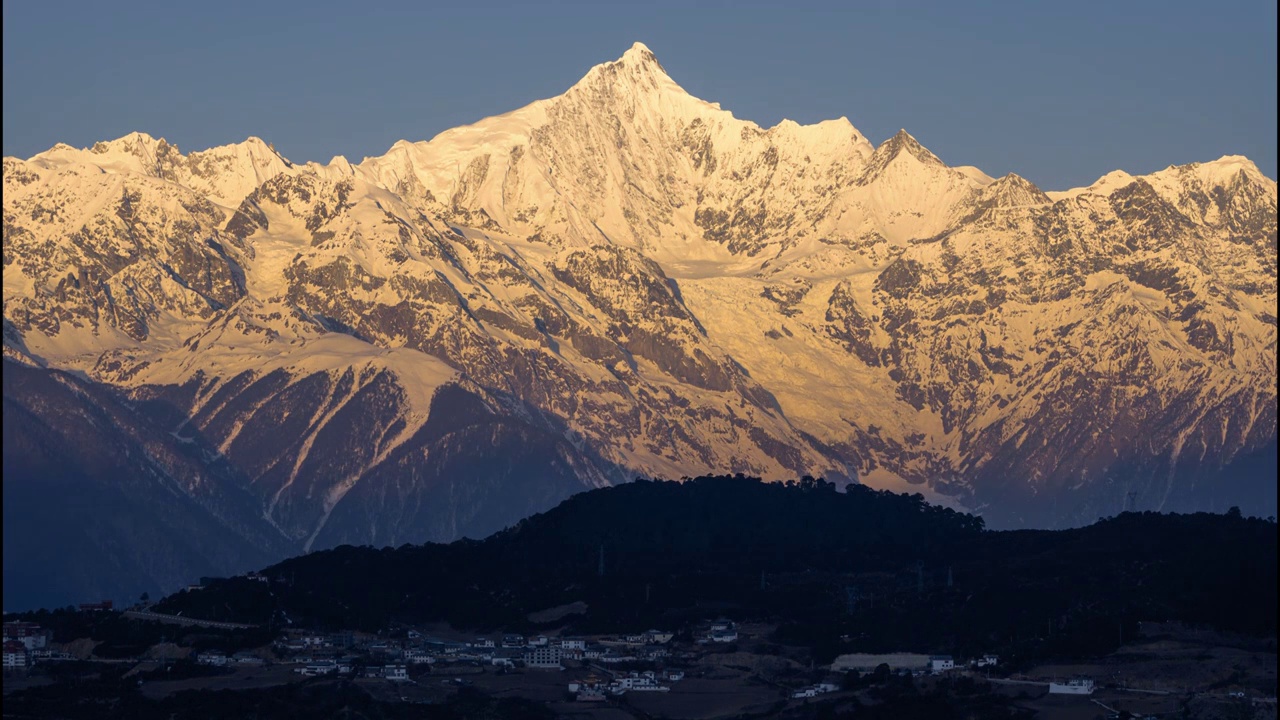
[627, 280]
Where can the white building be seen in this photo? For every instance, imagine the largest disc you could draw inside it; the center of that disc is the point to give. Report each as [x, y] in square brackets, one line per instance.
[650, 686]
[246, 658]
[590, 694]
[589, 690]
[721, 630]
[654, 653]
[815, 690]
[31, 635]
[543, 657]
[415, 656]
[1075, 686]
[396, 673]
[317, 667]
[724, 636]
[573, 644]
[212, 657]
[47, 655]
[487, 643]
[941, 663]
[15, 655]
[640, 682]
[988, 661]
[656, 637]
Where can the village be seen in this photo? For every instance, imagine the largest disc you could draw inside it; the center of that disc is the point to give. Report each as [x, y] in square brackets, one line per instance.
[705, 669]
[643, 662]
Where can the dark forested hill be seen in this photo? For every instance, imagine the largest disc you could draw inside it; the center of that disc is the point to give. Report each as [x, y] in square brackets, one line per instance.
[890, 570]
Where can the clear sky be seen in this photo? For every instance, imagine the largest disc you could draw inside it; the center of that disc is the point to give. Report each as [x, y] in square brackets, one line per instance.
[1059, 92]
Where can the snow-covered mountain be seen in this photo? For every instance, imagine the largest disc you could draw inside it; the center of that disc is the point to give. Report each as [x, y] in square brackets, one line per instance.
[626, 280]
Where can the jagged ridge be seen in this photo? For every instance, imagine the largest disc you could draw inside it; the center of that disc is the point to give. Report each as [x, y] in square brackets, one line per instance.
[667, 290]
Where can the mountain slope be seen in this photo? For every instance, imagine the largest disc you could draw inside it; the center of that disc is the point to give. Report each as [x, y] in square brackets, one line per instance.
[100, 502]
[627, 280]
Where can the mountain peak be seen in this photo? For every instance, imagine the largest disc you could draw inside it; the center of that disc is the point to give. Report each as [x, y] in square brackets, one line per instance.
[634, 75]
[891, 149]
[639, 52]
[134, 143]
[134, 137]
[1015, 180]
[135, 152]
[1225, 172]
[640, 56]
[1233, 160]
[903, 140]
[637, 61]
[1012, 190]
[1232, 165]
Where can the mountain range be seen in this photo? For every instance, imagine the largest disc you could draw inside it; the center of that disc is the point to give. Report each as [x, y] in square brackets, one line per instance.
[219, 359]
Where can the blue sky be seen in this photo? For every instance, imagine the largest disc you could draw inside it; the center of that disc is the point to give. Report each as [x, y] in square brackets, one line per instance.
[1059, 92]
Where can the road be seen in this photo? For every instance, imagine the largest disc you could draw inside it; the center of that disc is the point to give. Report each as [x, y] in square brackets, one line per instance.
[179, 620]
